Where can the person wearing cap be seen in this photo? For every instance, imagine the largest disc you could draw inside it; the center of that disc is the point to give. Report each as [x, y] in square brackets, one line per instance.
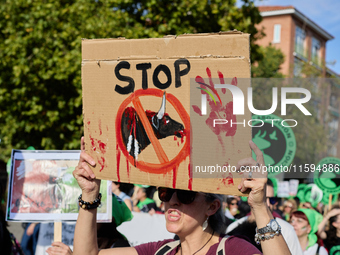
[305, 223]
[195, 217]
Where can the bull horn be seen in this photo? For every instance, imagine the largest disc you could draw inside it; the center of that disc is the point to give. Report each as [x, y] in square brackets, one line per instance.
[161, 111]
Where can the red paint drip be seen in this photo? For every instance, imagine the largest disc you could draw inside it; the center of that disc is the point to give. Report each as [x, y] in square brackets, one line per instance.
[101, 162]
[182, 133]
[100, 127]
[92, 141]
[174, 177]
[234, 81]
[175, 138]
[210, 78]
[190, 178]
[89, 122]
[220, 75]
[102, 146]
[118, 162]
[128, 169]
[228, 180]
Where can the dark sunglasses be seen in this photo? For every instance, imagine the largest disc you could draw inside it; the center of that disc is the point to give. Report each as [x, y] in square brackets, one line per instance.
[233, 203]
[184, 196]
[272, 200]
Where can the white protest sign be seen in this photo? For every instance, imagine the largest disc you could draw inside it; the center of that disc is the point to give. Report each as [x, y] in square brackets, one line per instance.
[46, 236]
[42, 187]
[144, 228]
[283, 189]
[293, 187]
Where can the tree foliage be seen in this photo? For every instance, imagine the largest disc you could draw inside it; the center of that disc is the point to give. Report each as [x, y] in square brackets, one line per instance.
[40, 52]
[269, 66]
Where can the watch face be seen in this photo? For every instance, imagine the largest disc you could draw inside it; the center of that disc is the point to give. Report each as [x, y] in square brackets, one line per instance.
[274, 225]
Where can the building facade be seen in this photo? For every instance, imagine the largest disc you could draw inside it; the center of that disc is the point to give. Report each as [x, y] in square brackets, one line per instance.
[303, 42]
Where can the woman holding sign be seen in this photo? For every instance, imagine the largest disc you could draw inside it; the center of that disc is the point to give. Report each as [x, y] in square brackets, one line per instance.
[193, 216]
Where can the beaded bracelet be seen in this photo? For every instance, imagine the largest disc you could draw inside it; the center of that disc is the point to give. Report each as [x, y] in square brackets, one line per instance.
[90, 205]
[261, 237]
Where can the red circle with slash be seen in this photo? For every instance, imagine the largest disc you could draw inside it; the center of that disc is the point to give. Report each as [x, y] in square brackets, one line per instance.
[165, 164]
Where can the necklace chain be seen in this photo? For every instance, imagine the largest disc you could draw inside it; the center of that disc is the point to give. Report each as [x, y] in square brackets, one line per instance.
[203, 245]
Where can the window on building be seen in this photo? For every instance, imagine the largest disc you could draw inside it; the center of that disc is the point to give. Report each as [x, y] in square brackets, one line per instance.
[300, 37]
[297, 68]
[333, 102]
[316, 46]
[277, 33]
[333, 134]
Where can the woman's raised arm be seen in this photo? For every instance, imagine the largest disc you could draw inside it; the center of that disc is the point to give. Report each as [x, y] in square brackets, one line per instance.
[85, 235]
[254, 180]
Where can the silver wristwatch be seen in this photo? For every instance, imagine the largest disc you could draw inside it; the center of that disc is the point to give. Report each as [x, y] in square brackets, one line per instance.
[271, 227]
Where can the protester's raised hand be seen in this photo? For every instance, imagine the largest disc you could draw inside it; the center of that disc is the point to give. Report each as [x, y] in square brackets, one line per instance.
[59, 248]
[333, 212]
[254, 178]
[84, 175]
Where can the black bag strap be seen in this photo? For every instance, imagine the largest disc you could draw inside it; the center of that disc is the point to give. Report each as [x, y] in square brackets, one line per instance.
[166, 248]
[318, 250]
[220, 249]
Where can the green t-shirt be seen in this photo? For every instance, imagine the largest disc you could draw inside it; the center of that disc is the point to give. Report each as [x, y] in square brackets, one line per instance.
[145, 202]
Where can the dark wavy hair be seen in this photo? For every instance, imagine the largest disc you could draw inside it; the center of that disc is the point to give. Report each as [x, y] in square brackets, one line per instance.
[217, 221]
[331, 233]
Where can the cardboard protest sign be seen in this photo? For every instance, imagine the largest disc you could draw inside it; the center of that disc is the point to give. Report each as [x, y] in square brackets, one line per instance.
[283, 189]
[145, 109]
[42, 187]
[46, 236]
[293, 187]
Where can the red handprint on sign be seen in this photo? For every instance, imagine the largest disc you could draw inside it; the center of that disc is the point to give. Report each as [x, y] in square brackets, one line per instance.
[217, 109]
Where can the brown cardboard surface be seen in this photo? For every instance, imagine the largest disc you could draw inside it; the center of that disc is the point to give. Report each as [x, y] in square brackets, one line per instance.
[165, 162]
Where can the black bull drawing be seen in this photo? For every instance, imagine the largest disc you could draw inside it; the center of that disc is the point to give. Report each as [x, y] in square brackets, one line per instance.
[134, 135]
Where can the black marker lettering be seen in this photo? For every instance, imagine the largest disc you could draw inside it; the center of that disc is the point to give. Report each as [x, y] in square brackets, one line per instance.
[144, 67]
[155, 79]
[179, 73]
[129, 88]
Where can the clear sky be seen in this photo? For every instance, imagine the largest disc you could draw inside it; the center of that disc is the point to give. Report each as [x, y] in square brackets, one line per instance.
[325, 13]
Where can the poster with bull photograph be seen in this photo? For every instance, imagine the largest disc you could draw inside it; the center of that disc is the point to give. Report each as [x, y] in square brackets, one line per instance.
[42, 187]
[150, 108]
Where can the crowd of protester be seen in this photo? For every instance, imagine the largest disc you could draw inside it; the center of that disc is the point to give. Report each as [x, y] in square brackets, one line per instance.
[307, 230]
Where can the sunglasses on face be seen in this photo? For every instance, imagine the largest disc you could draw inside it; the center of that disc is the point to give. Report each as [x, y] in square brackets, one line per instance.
[184, 196]
[272, 200]
[233, 203]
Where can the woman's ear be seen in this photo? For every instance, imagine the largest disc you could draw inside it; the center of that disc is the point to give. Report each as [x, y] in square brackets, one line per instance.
[214, 206]
[309, 229]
